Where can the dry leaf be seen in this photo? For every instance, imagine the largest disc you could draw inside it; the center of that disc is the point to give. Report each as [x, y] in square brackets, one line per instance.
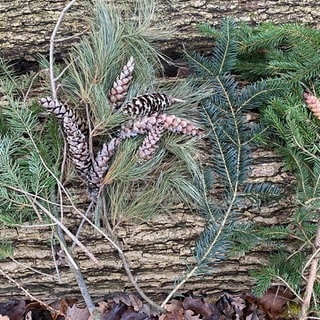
[274, 301]
[197, 305]
[75, 313]
[13, 309]
[190, 315]
[175, 311]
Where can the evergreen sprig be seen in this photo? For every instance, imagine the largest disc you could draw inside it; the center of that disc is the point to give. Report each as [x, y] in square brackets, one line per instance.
[289, 51]
[111, 80]
[228, 148]
[27, 152]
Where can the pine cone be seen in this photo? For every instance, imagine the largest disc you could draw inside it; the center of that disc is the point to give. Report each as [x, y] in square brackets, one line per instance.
[175, 124]
[61, 110]
[313, 104]
[148, 104]
[136, 127]
[120, 87]
[100, 164]
[169, 122]
[149, 144]
[78, 148]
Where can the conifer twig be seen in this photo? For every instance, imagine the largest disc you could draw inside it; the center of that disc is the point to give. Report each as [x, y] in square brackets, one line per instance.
[51, 50]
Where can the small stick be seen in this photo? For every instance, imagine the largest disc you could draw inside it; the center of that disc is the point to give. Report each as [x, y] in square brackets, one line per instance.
[51, 50]
[312, 277]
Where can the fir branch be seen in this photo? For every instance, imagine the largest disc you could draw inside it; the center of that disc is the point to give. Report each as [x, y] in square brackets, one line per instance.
[222, 115]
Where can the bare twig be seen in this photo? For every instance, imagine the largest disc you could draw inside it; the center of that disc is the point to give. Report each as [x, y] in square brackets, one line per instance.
[51, 50]
[312, 277]
[30, 296]
[33, 269]
[127, 268]
[37, 205]
[53, 252]
[76, 270]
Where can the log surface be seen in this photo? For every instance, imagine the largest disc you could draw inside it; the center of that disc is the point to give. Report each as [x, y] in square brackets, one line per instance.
[26, 25]
[158, 251]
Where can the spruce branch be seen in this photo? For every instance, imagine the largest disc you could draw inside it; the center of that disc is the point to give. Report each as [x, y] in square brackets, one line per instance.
[227, 132]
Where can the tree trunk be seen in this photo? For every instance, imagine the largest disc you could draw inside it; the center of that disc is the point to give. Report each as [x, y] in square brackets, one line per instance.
[26, 25]
[158, 251]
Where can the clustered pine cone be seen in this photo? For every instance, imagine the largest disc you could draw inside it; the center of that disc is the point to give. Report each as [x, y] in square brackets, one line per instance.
[77, 146]
[75, 131]
[313, 104]
[168, 122]
[147, 118]
[100, 164]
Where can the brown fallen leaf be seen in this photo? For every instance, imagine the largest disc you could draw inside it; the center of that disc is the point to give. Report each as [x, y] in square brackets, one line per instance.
[231, 306]
[273, 302]
[13, 309]
[75, 313]
[190, 315]
[197, 305]
[175, 311]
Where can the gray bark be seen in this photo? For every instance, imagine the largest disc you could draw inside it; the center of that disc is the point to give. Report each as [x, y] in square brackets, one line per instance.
[26, 25]
[158, 251]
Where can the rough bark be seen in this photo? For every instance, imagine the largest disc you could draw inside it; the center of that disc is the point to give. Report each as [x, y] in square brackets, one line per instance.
[26, 25]
[158, 251]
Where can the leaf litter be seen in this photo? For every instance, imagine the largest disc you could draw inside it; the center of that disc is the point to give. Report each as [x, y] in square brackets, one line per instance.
[275, 304]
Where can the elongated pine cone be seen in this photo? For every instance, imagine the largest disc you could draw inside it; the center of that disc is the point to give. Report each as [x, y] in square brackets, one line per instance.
[120, 87]
[149, 144]
[180, 125]
[148, 104]
[139, 126]
[169, 122]
[100, 164]
[313, 104]
[78, 148]
[61, 110]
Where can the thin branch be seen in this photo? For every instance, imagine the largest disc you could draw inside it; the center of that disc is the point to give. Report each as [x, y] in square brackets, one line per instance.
[312, 277]
[37, 205]
[53, 252]
[51, 50]
[76, 270]
[33, 269]
[31, 297]
[127, 268]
